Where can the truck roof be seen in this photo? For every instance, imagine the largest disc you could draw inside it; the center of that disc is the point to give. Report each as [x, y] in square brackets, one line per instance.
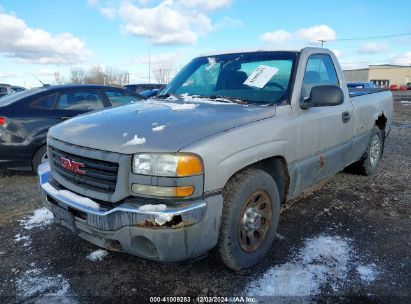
[253, 50]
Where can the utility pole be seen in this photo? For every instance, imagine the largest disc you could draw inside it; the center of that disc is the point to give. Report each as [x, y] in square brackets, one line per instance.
[149, 66]
[322, 42]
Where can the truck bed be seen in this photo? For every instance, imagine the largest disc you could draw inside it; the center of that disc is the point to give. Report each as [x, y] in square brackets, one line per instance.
[359, 92]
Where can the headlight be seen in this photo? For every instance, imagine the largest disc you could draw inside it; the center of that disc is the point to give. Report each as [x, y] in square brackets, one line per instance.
[174, 165]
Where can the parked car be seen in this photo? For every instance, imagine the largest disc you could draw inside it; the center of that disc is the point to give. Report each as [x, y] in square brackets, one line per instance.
[26, 116]
[208, 163]
[5, 89]
[149, 93]
[16, 89]
[394, 87]
[409, 85]
[140, 87]
[403, 88]
[362, 85]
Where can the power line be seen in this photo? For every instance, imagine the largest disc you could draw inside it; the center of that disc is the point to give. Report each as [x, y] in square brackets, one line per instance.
[377, 61]
[364, 38]
[371, 37]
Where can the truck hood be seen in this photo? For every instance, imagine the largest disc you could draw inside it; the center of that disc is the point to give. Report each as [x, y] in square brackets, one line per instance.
[156, 125]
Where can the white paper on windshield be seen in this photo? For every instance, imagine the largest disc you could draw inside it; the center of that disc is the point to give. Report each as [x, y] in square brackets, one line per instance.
[261, 75]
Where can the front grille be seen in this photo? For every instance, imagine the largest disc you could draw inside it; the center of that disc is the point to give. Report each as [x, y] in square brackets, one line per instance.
[99, 175]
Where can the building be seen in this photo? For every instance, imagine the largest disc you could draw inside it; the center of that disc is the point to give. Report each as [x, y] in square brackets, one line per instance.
[381, 75]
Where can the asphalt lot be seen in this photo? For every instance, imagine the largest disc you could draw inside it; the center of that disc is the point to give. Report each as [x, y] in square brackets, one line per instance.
[348, 242]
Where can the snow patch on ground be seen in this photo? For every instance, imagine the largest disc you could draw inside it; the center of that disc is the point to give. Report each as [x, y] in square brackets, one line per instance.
[97, 255]
[41, 217]
[322, 260]
[153, 208]
[136, 141]
[34, 286]
[19, 238]
[159, 128]
[280, 236]
[368, 273]
[81, 200]
[405, 101]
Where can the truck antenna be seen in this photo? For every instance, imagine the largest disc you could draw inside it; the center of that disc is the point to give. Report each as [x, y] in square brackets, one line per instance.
[44, 85]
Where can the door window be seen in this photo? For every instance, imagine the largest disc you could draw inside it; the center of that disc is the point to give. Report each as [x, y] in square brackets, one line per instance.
[320, 70]
[44, 103]
[80, 101]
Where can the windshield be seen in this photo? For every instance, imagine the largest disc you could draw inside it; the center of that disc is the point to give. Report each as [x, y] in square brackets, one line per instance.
[259, 77]
[9, 99]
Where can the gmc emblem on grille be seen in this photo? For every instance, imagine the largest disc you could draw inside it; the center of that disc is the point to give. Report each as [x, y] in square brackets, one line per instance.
[72, 165]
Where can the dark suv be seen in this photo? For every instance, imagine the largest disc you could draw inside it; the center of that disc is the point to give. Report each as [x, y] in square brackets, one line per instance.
[26, 116]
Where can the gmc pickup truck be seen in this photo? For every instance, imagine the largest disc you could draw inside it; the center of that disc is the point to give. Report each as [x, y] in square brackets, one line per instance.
[209, 161]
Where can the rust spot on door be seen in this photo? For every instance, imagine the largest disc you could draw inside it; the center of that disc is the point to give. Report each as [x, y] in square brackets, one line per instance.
[322, 161]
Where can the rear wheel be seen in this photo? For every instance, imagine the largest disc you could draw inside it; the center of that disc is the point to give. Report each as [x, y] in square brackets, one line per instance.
[250, 218]
[370, 160]
[39, 157]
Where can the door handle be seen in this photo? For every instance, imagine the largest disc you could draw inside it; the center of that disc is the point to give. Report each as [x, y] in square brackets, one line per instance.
[346, 116]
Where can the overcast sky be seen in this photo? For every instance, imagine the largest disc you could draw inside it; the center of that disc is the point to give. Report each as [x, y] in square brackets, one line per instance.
[43, 37]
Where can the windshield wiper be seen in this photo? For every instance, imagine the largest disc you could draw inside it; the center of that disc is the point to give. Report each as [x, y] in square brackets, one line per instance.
[227, 99]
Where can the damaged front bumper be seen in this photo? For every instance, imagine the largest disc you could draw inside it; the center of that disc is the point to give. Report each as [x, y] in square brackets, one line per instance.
[168, 233]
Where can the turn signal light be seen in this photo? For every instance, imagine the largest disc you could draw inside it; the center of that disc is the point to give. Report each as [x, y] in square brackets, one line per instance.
[189, 165]
[163, 191]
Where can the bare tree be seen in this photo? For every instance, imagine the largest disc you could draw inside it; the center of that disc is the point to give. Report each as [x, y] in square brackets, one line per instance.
[115, 76]
[162, 74]
[58, 79]
[97, 75]
[77, 76]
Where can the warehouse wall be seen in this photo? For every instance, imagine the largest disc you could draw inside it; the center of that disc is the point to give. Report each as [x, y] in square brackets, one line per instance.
[356, 75]
[395, 75]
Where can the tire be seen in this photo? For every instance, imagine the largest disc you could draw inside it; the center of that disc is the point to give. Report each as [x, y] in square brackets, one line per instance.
[39, 157]
[370, 160]
[244, 190]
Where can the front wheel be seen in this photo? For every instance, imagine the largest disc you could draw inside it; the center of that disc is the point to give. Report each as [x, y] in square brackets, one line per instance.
[250, 218]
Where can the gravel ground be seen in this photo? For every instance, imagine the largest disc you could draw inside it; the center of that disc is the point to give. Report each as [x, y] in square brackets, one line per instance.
[366, 219]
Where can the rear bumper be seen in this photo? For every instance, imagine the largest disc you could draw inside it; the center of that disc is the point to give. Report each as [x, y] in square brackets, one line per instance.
[24, 165]
[176, 233]
[17, 156]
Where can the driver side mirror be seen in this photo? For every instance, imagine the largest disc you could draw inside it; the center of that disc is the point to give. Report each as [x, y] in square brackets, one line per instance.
[323, 96]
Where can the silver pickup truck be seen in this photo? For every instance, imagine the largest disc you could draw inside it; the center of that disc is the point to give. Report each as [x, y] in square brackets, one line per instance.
[209, 161]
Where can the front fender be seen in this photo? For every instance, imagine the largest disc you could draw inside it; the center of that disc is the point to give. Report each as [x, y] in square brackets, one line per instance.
[227, 153]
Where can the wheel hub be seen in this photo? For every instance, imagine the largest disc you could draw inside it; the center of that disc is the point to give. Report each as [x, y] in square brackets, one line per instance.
[252, 219]
[255, 221]
[374, 151]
